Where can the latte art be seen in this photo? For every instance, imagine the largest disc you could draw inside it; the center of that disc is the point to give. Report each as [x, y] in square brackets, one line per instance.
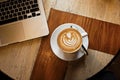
[69, 40]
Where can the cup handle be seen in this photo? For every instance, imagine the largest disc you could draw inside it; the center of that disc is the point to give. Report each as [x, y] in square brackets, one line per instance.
[84, 34]
[85, 50]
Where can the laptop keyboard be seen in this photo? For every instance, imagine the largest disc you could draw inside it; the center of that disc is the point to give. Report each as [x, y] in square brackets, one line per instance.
[14, 10]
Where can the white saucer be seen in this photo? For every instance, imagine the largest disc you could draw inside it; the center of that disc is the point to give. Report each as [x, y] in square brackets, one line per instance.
[57, 51]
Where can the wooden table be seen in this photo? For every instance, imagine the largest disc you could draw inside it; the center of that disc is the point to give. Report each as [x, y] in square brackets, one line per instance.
[17, 60]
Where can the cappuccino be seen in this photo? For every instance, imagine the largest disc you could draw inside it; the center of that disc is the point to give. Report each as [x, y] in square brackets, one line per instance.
[69, 40]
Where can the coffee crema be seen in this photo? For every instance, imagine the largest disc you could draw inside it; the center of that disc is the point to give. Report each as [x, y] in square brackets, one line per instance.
[69, 40]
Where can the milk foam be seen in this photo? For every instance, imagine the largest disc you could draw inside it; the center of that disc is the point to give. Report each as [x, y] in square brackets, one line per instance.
[69, 39]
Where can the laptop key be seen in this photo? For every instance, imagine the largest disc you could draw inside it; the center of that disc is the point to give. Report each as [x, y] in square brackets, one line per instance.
[20, 17]
[2, 18]
[20, 9]
[8, 12]
[15, 2]
[28, 7]
[6, 9]
[35, 9]
[10, 16]
[24, 0]
[27, 3]
[19, 13]
[38, 14]
[14, 6]
[0, 5]
[22, 4]
[35, 1]
[8, 21]
[11, 3]
[31, 2]
[14, 14]
[3, 13]
[27, 11]
[12, 11]
[2, 10]
[25, 16]
[3, 5]
[7, 4]
[6, 17]
[29, 16]
[23, 12]
[24, 8]
[10, 7]
[18, 5]
[16, 10]
[33, 14]
[35, 5]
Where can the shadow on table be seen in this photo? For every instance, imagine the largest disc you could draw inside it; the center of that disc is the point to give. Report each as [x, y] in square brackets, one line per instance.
[109, 72]
[3, 76]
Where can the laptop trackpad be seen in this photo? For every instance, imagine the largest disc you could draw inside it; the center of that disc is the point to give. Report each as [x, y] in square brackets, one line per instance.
[11, 33]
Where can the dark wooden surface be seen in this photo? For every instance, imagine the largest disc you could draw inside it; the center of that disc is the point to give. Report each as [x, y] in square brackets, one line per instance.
[103, 36]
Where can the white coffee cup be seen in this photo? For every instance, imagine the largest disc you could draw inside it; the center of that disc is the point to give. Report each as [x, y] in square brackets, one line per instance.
[69, 40]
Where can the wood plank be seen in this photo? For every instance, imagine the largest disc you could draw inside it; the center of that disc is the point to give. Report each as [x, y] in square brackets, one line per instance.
[48, 66]
[105, 10]
[102, 37]
[17, 61]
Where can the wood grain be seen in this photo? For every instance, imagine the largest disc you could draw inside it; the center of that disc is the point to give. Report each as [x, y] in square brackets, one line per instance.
[105, 10]
[18, 63]
[103, 36]
[49, 67]
[24, 53]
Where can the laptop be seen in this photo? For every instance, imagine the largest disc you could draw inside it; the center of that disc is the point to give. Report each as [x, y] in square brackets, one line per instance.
[21, 20]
